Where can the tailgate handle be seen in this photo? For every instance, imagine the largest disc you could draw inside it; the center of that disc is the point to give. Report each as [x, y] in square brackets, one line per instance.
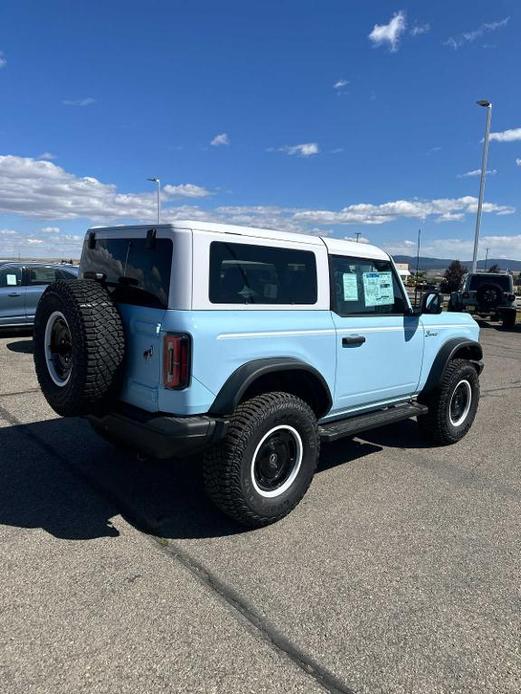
[353, 341]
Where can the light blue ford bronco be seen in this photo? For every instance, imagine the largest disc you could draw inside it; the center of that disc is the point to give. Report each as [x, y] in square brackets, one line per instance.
[250, 347]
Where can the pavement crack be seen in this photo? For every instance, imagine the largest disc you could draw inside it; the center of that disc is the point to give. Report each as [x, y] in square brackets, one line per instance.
[20, 392]
[263, 628]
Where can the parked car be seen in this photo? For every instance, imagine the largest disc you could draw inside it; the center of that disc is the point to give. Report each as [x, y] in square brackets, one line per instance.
[249, 346]
[21, 286]
[488, 295]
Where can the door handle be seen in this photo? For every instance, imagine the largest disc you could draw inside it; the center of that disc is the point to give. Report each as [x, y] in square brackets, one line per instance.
[353, 341]
[14, 294]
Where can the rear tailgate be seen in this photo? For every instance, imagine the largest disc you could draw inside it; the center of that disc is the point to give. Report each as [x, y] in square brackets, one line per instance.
[143, 357]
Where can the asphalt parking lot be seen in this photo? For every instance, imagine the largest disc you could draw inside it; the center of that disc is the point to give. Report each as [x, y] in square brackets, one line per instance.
[399, 572]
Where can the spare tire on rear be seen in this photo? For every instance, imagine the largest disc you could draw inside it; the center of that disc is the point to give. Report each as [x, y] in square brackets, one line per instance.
[489, 296]
[79, 347]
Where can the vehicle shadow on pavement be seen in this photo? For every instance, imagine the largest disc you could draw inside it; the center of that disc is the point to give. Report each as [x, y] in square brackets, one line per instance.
[35, 491]
[21, 346]
[405, 434]
[487, 325]
[58, 475]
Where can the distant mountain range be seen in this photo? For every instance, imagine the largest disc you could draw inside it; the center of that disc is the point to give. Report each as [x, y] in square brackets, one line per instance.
[443, 263]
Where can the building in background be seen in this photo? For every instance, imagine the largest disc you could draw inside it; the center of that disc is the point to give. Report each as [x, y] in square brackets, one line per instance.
[403, 271]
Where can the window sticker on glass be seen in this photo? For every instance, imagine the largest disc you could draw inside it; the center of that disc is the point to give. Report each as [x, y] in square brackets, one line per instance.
[378, 288]
[11, 280]
[350, 286]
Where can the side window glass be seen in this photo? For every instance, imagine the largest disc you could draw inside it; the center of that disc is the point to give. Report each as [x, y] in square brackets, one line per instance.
[41, 275]
[10, 277]
[249, 274]
[365, 287]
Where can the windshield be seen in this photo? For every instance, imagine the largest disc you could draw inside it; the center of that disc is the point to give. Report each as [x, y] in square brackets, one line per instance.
[134, 273]
[503, 281]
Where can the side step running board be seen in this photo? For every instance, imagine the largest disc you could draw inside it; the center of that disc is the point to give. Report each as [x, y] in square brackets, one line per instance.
[363, 422]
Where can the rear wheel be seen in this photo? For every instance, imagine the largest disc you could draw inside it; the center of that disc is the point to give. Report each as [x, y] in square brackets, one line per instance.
[509, 319]
[453, 405]
[265, 464]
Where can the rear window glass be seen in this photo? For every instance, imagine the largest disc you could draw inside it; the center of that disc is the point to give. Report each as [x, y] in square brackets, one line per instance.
[134, 273]
[248, 274]
[502, 281]
[41, 275]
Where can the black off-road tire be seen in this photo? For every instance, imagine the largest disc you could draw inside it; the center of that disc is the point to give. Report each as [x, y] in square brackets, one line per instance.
[509, 319]
[97, 347]
[489, 296]
[228, 467]
[436, 425]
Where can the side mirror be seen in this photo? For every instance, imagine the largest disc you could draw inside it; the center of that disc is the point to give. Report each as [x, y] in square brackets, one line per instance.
[431, 303]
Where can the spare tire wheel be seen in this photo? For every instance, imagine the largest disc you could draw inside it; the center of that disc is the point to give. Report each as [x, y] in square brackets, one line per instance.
[79, 346]
[489, 295]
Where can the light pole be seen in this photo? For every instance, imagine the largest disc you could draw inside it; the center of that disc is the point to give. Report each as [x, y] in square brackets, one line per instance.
[486, 104]
[158, 182]
[418, 246]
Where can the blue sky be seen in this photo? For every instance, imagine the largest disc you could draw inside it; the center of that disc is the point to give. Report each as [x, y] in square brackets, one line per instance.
[336, 117]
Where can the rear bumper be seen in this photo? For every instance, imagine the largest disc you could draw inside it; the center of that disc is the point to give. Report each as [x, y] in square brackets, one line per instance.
[160, 436]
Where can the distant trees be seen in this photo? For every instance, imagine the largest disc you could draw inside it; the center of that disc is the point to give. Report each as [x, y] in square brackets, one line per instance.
[494, 268]
[452, 277]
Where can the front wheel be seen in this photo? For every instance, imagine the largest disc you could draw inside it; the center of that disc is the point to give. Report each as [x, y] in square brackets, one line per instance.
[265, 464]
[453, 405]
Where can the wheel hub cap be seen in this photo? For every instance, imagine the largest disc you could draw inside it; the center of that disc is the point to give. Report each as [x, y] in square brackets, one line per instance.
[276, 461]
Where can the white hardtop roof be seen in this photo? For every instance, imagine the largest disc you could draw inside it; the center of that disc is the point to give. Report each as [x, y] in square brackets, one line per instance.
[333, 245]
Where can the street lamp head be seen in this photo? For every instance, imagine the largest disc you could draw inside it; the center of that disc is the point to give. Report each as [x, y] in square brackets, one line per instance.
[484, 103]
[154, 180]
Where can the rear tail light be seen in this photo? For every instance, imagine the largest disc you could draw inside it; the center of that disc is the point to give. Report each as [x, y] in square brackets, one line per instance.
[466, 295]
[176, 361]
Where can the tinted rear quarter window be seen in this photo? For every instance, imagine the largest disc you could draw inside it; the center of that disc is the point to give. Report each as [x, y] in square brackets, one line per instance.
[502, 281]
[41, 275]
[135, 273]
[250, 274]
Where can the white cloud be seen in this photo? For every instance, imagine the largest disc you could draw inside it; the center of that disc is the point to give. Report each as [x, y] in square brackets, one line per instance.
[186, 190]
[518, 162]
[389, 33]
[360, 239]
[512, 135]
[456, 42]
[500, 246]
[220, 139]
[42, 190]
[88, 101]
[419, 29]
[366, 213]
[307, 149]
[3, 60]
[340, 84]
[477, 172]
[48, 156]
[33, 242]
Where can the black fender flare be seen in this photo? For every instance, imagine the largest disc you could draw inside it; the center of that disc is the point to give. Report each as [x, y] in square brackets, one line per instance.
[245, 376]
[456, 348]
